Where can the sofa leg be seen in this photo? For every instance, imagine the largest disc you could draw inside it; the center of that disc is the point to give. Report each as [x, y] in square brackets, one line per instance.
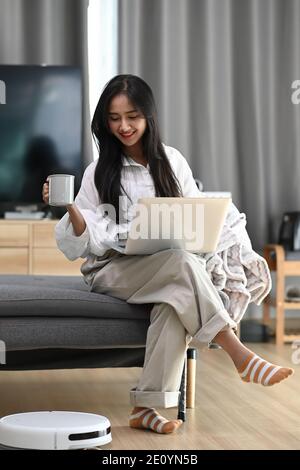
[188, 384]
[191, 377]
[182, 397]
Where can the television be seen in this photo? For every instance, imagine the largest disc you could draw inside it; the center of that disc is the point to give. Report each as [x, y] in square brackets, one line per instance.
[40, 131]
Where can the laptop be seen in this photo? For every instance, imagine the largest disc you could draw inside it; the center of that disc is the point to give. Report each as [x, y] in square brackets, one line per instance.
[189, 223]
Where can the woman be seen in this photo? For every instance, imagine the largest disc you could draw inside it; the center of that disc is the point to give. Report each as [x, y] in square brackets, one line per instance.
[134, 163]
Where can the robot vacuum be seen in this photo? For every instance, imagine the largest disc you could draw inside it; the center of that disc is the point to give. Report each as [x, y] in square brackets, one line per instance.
[54, 430]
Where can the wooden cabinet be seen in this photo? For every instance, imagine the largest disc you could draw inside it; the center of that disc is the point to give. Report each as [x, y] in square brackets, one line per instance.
[277, 262]
[29, 247]
[14, 234]
[14, 260]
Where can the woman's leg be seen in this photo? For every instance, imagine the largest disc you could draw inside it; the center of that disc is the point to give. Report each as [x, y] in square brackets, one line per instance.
[166, 345]
[174, 277]
[187, 303]
[251, 367]
[178, 279]
[159, 383]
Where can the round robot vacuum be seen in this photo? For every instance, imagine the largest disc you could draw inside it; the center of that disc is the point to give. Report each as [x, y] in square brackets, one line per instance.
[54, 430]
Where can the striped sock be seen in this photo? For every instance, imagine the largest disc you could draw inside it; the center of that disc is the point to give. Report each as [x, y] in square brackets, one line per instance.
[149, 418]
[257, 370]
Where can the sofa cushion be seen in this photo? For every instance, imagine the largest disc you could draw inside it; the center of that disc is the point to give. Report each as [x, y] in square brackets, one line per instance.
[35, 333]
[61, 296]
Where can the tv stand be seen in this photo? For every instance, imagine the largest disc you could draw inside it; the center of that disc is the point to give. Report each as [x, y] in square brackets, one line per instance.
[29, 247]
[22, 215]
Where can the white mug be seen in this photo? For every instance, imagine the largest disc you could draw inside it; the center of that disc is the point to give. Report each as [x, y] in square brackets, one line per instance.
[61, 190]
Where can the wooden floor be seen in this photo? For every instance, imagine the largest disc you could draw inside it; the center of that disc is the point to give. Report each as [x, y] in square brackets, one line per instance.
[229, 414]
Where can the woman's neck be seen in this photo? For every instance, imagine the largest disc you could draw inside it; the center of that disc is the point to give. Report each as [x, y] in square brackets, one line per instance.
[135, 152]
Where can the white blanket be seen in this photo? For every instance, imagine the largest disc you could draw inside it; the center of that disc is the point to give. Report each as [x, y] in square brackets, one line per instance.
[239, 274]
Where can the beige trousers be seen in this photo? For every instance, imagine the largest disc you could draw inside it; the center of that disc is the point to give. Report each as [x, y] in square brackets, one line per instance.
[187, 306]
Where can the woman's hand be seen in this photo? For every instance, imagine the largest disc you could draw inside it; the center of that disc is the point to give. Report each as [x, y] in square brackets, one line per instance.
[45, 192]
[76, 218]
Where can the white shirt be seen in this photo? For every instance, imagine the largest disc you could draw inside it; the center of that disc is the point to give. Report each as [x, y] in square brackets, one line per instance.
[239, 274]
[101, 234]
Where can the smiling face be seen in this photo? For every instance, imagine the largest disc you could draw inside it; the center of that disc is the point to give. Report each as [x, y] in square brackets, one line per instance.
[125, 121]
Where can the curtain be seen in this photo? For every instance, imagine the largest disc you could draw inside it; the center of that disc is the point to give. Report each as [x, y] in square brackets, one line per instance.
[221, 72]
[52, 32]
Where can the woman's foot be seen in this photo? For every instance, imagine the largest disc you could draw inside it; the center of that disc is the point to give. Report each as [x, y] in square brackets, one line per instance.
[149, 418]
[257, 370]
[251, 367]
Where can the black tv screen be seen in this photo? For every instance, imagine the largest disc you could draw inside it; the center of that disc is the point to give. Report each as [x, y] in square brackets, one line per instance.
[40, 129]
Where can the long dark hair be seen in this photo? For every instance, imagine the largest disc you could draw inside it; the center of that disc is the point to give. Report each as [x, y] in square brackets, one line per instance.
[109, 166]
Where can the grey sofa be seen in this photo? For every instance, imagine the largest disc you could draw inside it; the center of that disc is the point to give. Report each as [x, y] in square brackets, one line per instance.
[46, 320]
[54, 322]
